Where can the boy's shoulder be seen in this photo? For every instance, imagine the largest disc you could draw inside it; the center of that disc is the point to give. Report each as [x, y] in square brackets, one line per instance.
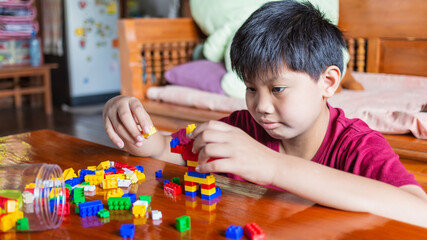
[353, 129]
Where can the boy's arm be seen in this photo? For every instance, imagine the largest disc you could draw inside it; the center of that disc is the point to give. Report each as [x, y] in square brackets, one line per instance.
[156, 146]
[338, 189]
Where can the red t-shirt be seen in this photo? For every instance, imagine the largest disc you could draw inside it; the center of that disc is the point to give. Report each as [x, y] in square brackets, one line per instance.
[349, 145]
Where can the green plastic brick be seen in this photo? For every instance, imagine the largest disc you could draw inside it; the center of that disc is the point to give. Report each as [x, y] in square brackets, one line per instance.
[78, 195]
[119, 203]
[145, 198]
[176, 180]
[183, 223]
[103, 213]
[22, 224]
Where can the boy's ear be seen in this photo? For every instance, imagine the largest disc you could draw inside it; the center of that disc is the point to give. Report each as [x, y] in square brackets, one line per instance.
[330, 79]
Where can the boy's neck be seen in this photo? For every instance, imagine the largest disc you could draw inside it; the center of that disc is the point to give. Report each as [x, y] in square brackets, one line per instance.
[307, 144]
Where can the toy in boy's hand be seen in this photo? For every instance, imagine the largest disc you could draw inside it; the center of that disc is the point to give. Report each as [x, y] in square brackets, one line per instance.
[192, 179]
[222, 21]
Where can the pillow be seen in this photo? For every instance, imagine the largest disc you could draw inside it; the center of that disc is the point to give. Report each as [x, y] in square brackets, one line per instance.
[201, 74]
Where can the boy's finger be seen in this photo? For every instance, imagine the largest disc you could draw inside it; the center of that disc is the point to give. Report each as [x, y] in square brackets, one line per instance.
[126, 118]
[141, 115]
[208, 136]
[216, 166]
[213, 151]
[212, 125]
[112, 134]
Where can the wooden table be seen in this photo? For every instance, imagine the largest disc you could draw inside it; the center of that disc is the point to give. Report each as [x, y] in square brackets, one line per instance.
[28, 71]
[281, 215]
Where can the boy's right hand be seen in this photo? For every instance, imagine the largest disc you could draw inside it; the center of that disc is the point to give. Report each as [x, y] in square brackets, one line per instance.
[124, 118]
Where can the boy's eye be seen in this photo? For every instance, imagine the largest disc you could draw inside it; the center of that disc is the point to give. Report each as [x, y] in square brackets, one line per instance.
[249, 89]
[278, 89]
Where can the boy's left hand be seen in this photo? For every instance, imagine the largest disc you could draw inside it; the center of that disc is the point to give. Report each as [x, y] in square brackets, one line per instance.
[234, 152]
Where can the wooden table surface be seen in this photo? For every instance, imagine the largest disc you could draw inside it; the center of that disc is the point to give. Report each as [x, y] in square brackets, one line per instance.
[281, 215]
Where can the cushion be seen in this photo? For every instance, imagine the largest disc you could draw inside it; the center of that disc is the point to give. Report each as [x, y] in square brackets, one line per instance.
[201, 74]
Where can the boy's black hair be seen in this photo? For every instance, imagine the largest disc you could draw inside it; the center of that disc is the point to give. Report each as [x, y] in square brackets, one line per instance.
[286, 32]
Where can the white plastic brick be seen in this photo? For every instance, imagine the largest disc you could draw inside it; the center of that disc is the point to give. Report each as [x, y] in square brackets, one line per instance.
[156, 215]
[89, 188]
[123, 182]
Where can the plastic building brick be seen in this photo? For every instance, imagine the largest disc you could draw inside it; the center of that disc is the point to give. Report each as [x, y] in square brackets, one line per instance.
[103, 213]
[174, 142]
[176, 180]
[27, 197]
[190, 128]
[117, 192]
[78, 195]
[153, 130]
[22, 224]
[141, 202]
[145, 198]
[69, 173]
[191, 194]
[253, 231]
[183, 223]
[120, 165]
[11, 205]
[84, 172]
[159, 173]
[110, 183]
[132, 177]
[207, 181]
[215, 195]
[118, 176]
[92, 168]
[74, 181]
[126, 170]
[103, 165]
[197, 174]
[110, 170]
[111, 163]
[140, 175]
[89, 188]
[94, 179]
[132, 168]
[90, 208]
[100, 172]
[234, 232]
[132, 196]
[64, 208]
[165, 181]
[139, 210]
[127, 230]
[156, 215]
[119, 203]
[7, 222]
[192, 163]
[124, 183]
[30, 185]
[140, 168]
[172, 188]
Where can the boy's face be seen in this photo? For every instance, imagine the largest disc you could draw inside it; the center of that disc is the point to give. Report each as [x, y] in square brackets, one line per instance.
[285, 105]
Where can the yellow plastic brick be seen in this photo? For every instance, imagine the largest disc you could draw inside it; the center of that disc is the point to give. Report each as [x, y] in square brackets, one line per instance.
[190, 188]
[192, 163]
[138, 210]
[92, 168]
[119, 176]
[153, 130]
[208, 180]
[190, 128]
[103, 165]
[208, 192]
[68, 174]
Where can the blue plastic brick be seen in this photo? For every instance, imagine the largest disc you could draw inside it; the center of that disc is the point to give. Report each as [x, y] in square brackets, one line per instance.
[90, 208]
[132, 196]
[110, 169]
[213, 196]
[140, 168]
[74, 181]
[84, 172]
[127, 230]
[234, 232]
[159, 173]
[52, 203]
[191, 194]
[198, 175]
[174, 142]
[165, 181]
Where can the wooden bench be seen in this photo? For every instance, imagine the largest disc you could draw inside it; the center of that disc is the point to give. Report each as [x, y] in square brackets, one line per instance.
[17, 91]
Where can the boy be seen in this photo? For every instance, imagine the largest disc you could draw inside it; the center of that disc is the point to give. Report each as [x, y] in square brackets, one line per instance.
[289, 138]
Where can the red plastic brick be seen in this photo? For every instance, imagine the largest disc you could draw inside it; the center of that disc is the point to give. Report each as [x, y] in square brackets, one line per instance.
[173, 188]
[253, 232]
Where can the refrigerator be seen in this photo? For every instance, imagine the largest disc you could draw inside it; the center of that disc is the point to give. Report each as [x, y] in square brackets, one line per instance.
[91, 74]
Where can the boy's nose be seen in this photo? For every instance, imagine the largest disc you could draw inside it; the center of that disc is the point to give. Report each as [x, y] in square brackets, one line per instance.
[264, 105]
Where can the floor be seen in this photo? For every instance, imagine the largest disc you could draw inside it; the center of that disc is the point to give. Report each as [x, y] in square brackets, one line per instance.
[87, 125]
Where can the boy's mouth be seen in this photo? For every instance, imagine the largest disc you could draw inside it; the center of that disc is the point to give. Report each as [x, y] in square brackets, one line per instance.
[268, 125]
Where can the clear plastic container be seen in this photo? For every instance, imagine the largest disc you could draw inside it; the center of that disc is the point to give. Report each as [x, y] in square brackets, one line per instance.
[32, 191]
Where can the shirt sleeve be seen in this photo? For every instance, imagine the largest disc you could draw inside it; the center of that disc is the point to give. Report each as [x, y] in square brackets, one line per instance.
[371, 156]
